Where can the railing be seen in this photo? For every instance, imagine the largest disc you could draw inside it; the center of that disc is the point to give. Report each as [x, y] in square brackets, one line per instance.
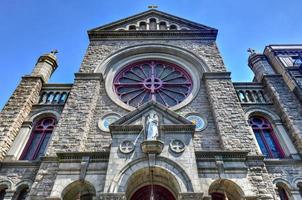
[54, 94]
[251, 93]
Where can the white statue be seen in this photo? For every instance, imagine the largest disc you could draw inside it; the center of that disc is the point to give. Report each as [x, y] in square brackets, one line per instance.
[152, 126]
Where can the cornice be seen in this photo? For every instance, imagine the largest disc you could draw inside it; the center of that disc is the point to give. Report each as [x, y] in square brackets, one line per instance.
[130, 35]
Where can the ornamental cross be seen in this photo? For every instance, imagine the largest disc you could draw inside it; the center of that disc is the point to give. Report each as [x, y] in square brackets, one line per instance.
[152, 7]
[177, 146]
[251, 51]
[127, 146]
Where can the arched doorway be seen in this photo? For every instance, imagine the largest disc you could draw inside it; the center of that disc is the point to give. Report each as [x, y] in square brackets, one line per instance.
[79, 190]
[225, 189]
[159, 193]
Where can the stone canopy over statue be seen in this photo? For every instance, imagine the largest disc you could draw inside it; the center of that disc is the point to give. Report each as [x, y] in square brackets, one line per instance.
[151, 127]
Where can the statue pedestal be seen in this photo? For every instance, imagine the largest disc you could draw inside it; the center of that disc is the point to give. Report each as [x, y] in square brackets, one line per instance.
[152, 146]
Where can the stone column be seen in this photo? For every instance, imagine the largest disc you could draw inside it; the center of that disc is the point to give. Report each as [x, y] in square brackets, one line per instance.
[228, 113]
[9, 195]
[20, 103]
[17, 147]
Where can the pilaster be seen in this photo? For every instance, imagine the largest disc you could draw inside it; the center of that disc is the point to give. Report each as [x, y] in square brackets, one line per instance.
[228, 113]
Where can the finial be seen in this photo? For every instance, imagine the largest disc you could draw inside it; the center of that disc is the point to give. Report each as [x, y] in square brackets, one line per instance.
[54, 52]
[251, 51]
[152, 7]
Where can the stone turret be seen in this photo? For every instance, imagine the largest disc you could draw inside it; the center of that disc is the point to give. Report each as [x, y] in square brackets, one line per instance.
[19, 105]
[46, 65]
[259, 65]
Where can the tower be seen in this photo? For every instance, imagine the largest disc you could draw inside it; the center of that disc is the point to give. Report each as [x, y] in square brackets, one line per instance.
[153, 114]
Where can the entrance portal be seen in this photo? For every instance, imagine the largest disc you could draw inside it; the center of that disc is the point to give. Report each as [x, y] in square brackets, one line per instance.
[159, 193]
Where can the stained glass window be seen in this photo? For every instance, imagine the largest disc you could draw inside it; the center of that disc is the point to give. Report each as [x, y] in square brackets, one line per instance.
[266, 138]
[160, 81]
[39, 138]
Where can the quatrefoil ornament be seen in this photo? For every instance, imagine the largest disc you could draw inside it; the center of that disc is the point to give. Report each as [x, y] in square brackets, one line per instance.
[126, 147]
[177, 146]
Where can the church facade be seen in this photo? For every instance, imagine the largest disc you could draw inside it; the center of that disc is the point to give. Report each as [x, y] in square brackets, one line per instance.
[153, 114]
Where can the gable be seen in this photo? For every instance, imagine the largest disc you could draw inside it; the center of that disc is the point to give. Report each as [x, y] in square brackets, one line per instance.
[136, 117]
[153, 23]
[147, 17]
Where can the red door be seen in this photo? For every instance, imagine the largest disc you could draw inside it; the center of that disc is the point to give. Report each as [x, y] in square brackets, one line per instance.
[160, 193]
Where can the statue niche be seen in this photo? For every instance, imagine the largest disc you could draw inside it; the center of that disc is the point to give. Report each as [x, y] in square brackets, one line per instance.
[151, 126]
[152, 144]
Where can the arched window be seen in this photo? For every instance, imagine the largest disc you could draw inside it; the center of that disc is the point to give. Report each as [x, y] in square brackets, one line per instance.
[282, 193]
[153, 24]
[132, 27]
[173, 27]
[266, 138]
[162, 26]
[142, 26]
[39, 138]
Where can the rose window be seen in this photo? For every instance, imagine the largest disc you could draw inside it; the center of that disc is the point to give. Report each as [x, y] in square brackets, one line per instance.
[160, 81]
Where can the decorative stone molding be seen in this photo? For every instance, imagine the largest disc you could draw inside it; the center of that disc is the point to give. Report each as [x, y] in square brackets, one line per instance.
[126, 147]
[177, 146]
[112, 196]
[152, 146]
[190, 196]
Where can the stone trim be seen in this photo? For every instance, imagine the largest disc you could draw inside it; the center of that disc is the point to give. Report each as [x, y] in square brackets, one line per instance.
[78, 156]
[57, 86]
[153, 35]
[216, 75]
[178, 128]
[20, 163]
[88, 76]
[224, 154]
[121, 129]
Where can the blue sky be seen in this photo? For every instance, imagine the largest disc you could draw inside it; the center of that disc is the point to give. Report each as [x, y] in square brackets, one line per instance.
[33, 27]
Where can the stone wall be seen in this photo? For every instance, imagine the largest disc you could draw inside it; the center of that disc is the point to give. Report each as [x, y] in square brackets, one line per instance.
[16, 110]
[72, 130]
[228, 114]
[98, 51]
[44, 180]
[287, 106]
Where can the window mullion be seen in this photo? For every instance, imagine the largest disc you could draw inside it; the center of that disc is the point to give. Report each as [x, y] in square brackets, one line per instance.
[37, 149]
[265, 143]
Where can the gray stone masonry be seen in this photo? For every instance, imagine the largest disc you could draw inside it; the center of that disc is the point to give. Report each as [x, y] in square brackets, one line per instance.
[16, 110]
[228, 113]
[287, 106]
[44, 180]
[98, 51]
[71, 132]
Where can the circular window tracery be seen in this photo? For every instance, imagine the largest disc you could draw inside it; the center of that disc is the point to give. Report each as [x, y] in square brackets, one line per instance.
[160, 81]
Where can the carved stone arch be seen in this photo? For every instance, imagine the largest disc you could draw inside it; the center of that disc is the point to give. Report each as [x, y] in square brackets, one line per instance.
[297, 182]
[6, 184]
[42, 114]
[227, 187]
[194, 65]
[184, 183]
[153, 17]
[22, 185]
[271, 116]
[282, 182]
[78, 188]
